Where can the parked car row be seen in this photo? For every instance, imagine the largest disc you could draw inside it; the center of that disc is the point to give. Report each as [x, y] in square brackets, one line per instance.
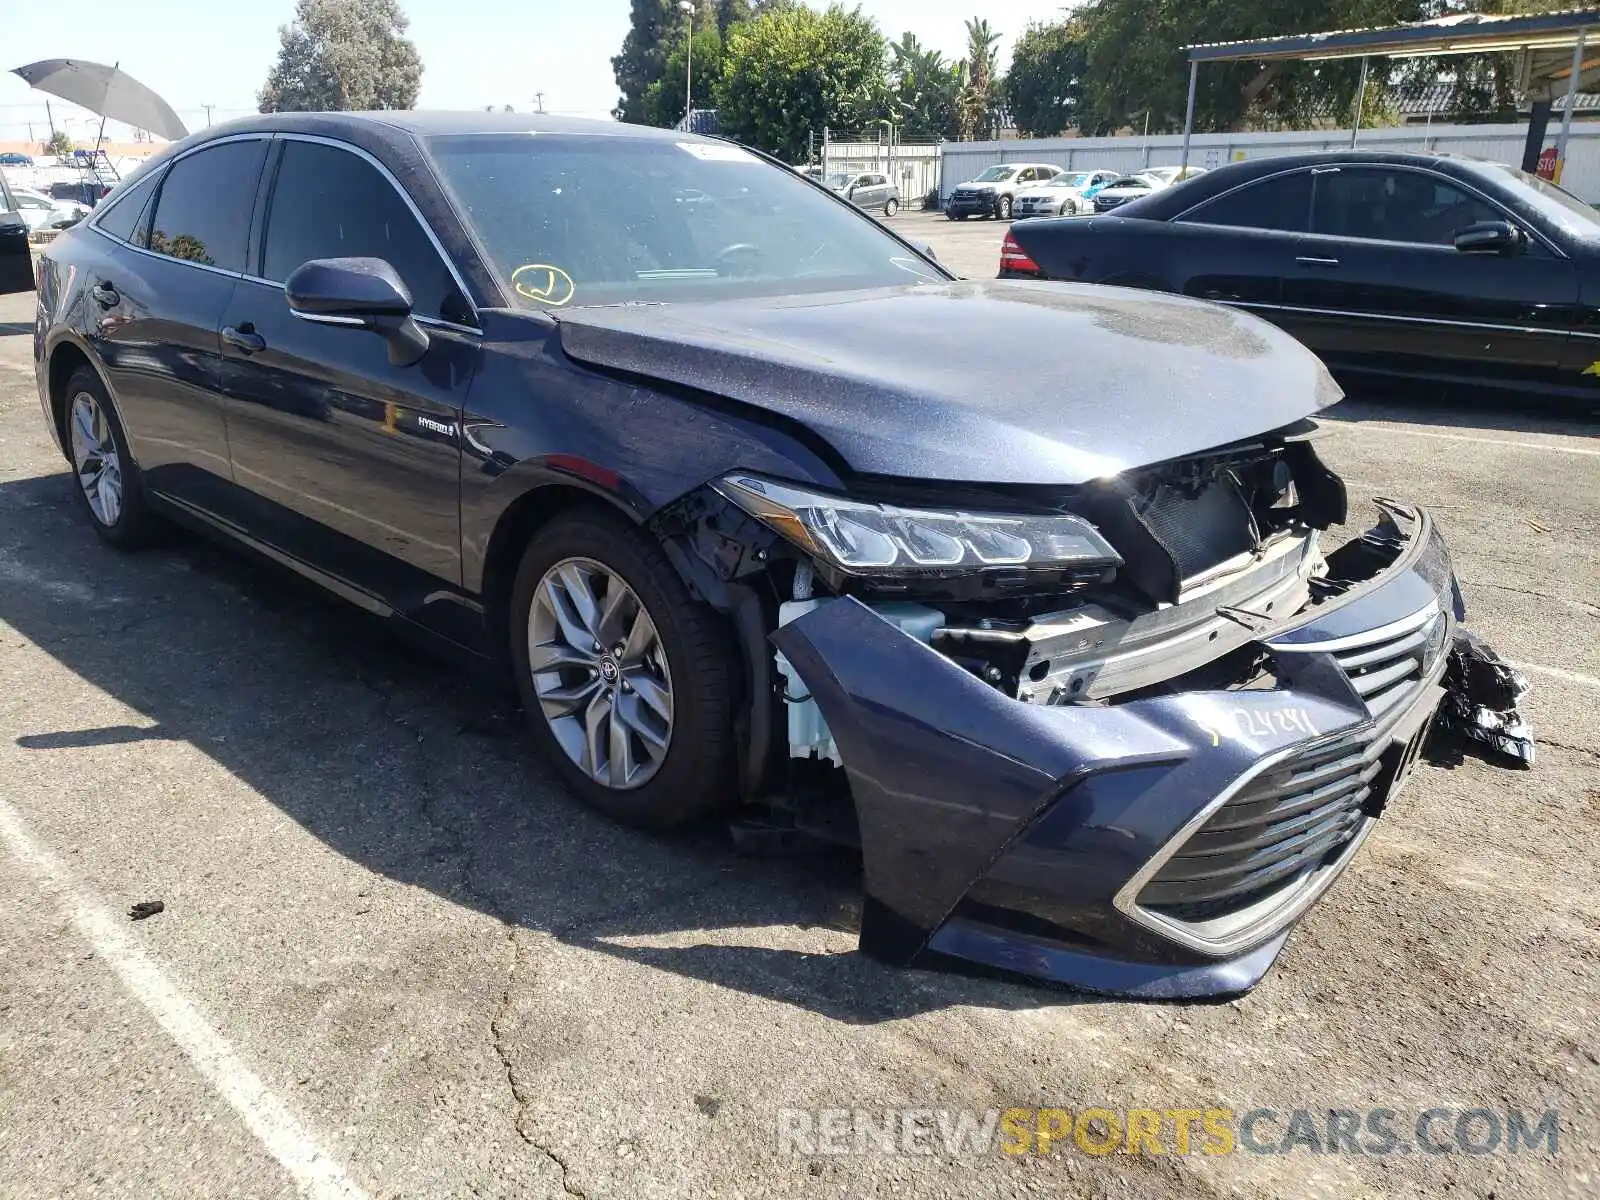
[1424, 267]
[1063, 195]
[1021, 190]
[1140, 184]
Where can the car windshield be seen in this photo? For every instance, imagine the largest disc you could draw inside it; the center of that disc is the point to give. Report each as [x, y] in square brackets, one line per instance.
[1069, 181]
[1554, 201]
[603, 219]
[994, 174]
[1130, 181]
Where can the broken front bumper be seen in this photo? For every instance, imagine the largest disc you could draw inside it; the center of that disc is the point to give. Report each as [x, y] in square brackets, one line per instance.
[1158, 847]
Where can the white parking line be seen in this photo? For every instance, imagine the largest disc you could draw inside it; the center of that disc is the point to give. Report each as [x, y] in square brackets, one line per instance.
[315, 1173]
[1557, 673]
[1460, 437]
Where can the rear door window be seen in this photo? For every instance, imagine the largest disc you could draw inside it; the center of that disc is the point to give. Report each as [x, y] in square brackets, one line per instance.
[1281, 203]
[329, 202]
[121, 220]
[203, 211]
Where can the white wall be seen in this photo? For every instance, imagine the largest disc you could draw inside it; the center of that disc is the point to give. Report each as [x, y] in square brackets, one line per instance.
[1501, 143]
[916, 167]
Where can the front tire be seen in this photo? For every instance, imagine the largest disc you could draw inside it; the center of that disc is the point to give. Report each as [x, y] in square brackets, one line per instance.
[1002, 210]
[1069, 208]
[625, 679]
[108, 482]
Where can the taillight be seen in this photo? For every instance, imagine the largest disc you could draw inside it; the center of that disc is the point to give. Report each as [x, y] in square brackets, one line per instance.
[1014, 258]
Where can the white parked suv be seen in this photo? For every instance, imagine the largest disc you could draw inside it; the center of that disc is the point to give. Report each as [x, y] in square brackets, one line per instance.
[991, 192]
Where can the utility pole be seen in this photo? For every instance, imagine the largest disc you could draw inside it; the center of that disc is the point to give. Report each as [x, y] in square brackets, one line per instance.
[208, 108]
[688, 74]
[50, 116]
[538, 99]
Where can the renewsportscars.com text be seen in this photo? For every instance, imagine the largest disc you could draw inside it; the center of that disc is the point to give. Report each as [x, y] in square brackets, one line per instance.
[1159, 1131]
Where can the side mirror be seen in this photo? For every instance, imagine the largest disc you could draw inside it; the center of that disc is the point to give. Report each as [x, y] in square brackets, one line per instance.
[361, 293]
[1491, 237]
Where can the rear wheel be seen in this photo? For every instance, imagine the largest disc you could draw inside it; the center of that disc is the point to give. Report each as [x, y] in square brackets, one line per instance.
[890, 207]
[108, 481]
[625, 679]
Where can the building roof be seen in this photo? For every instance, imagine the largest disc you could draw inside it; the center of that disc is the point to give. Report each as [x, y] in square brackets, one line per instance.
[1464, 33]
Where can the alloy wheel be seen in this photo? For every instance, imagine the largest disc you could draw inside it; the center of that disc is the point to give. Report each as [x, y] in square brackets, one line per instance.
[600, 673]
[94, 454]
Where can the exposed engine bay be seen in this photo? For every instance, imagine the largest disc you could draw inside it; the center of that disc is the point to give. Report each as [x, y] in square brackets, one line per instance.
[1199, 558]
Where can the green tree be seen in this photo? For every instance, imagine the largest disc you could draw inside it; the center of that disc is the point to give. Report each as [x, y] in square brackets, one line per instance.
[656, 33]
[60, 143]
[790, 70]
[343, 54]
[975, 108]
[924, 89]
[1136, 63]
[1045, 82]
[663, 102]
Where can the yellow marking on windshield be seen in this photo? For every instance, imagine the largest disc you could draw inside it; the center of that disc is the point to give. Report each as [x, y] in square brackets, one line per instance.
[543, 284]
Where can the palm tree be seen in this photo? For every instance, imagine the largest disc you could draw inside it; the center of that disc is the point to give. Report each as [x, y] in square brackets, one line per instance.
[926, 88]
[981, 54]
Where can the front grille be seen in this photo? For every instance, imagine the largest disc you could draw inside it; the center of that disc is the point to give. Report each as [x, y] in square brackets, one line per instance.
[1386, 669]
[1254, 851]
[1283, 823]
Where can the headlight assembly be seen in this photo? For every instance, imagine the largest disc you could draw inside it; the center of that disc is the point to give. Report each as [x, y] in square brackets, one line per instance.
[883, 540]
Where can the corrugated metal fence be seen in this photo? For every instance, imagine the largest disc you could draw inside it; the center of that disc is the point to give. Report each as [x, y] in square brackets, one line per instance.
[1501, 143]
[915, 167]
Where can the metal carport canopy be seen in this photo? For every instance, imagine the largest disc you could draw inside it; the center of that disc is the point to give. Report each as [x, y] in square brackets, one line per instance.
[1464, 33]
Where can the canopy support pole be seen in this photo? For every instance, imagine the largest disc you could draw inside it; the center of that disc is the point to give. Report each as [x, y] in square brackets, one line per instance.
[1572, 96]
[1188, 120]
[1361, 99]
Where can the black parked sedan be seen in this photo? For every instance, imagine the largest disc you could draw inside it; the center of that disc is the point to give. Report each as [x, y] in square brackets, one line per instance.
[1422, 267]
[728, 489]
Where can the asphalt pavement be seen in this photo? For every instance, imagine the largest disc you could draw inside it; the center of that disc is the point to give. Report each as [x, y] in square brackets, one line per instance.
[396, 959]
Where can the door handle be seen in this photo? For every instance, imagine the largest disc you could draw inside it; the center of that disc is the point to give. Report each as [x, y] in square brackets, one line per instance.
[105, 295]
[1317, 262]
[243, 338]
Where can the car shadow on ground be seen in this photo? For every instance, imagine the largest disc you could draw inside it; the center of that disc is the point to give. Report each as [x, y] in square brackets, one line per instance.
[1480, 413]
[420, 774]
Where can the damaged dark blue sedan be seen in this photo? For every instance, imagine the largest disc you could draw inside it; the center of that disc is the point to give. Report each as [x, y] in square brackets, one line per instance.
[738, 487]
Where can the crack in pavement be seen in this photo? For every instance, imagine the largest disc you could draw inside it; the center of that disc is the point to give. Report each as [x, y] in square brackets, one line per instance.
[466, 862]
[518, 1094]
[1582, 606]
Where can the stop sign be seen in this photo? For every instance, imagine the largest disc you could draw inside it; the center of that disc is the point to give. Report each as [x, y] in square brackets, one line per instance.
[1547, 163]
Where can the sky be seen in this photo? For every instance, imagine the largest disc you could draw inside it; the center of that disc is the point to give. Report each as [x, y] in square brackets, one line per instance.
[473, 54]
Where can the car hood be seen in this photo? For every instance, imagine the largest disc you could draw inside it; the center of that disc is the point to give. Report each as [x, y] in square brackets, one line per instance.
[995, 382]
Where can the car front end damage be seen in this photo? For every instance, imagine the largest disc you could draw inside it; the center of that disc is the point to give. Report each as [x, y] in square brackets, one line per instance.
[1121, 741]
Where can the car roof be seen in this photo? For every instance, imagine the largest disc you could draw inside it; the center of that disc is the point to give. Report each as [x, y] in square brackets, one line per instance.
[424, 123]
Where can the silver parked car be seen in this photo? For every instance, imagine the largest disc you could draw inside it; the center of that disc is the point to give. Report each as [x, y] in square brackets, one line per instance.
[867, 190]
[1066, 195]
